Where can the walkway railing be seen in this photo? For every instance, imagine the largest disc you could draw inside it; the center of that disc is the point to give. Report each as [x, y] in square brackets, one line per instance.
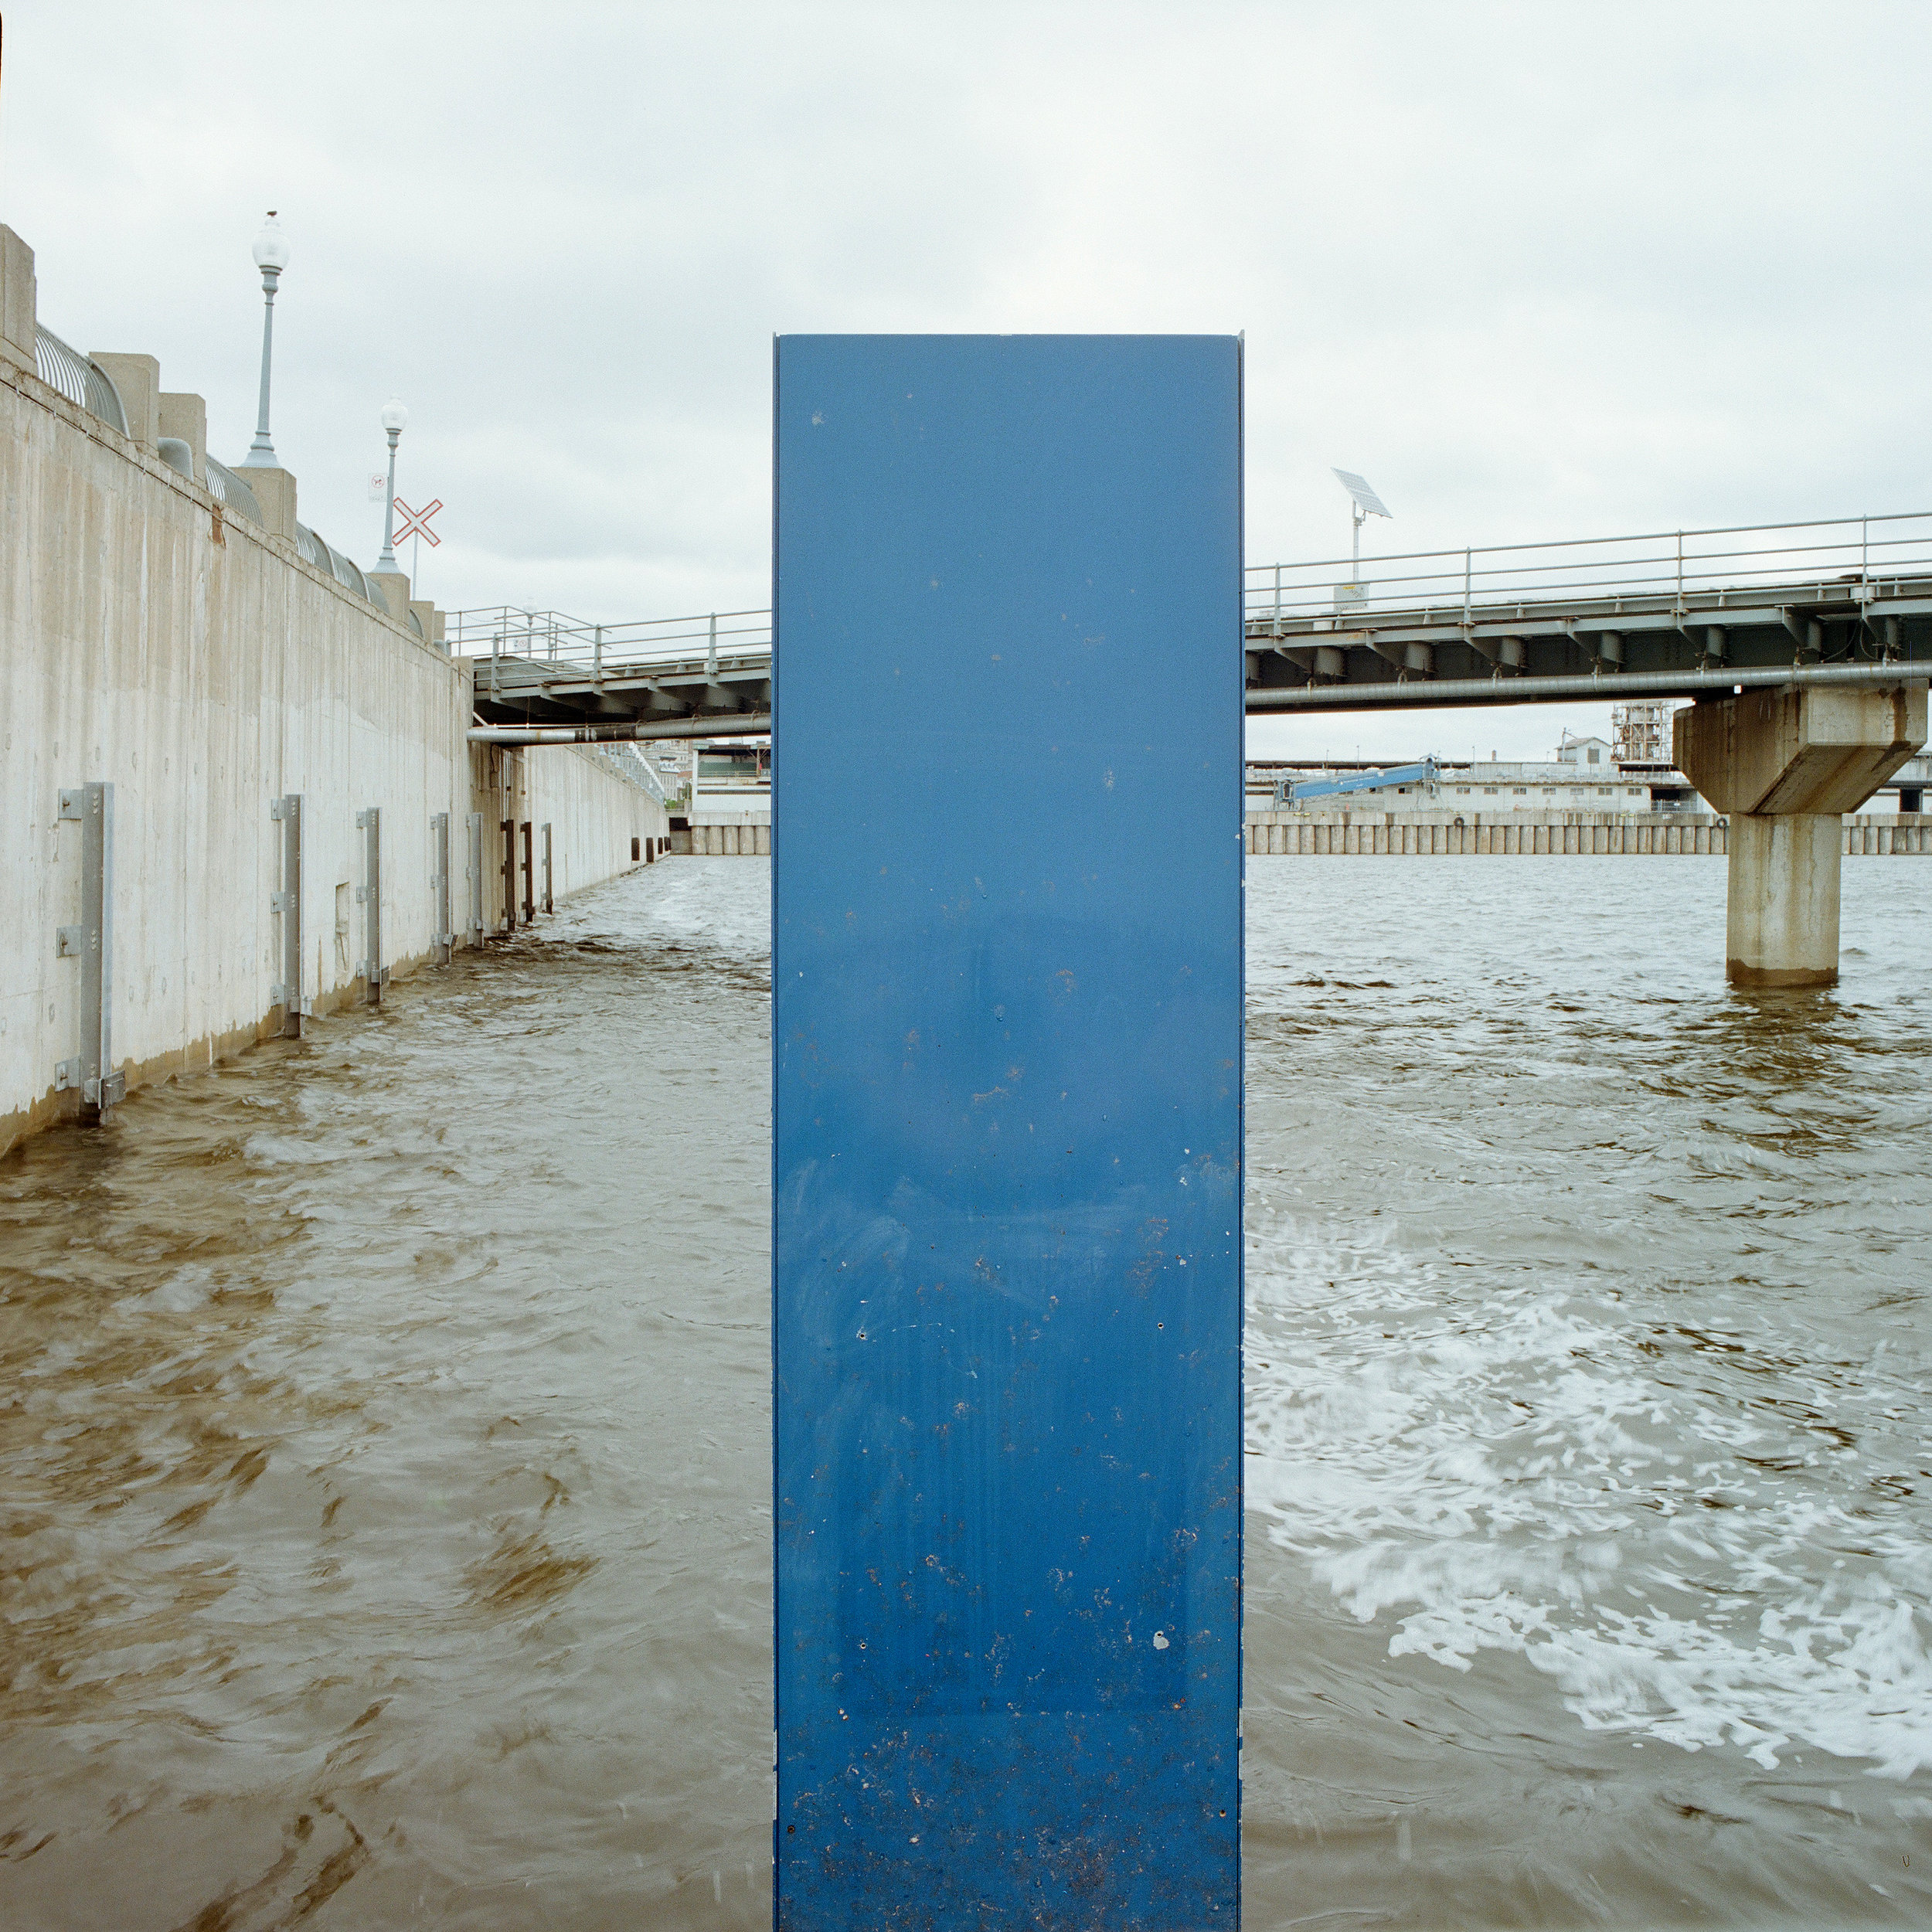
[1734, 565]
[507, 630]
[231, 492]
[78, 377]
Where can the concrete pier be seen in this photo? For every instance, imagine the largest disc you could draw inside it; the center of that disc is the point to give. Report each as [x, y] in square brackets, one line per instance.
[1785, 765]
[1782, 902]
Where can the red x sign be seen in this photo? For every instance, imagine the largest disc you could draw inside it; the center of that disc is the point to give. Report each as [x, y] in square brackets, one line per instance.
[416, 523]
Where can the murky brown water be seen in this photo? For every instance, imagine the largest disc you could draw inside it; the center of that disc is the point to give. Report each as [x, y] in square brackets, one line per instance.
[384, 1466]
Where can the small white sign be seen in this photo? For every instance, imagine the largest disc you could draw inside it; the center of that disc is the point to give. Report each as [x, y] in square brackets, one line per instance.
[377, 481]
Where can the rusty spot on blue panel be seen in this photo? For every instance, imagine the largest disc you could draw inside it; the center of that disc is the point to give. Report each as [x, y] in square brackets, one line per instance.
[1007, 1145]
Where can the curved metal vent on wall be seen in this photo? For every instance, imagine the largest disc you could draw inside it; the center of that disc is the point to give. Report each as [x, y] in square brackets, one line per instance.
[78, 378]
[229, 490]
[319, 551]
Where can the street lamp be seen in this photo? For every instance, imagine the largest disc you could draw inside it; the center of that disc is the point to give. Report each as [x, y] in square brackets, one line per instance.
[394, 416]
[271, 257]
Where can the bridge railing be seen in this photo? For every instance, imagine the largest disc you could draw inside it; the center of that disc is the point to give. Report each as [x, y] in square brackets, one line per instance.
[509, 631]
[1486, 582]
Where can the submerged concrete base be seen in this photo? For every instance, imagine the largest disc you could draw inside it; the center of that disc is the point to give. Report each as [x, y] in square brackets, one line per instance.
[1781, 915]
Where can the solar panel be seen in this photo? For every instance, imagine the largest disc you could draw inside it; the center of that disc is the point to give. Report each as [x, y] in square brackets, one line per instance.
[1365, 499]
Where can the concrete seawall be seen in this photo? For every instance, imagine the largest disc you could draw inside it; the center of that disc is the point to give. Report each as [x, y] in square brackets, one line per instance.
[725, 841]
[199, 664]
[1418, 834]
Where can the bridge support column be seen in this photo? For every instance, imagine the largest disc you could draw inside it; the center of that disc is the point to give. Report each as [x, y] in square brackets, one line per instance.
[1785, 765]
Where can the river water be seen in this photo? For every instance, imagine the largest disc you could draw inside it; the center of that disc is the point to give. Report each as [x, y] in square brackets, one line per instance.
[384, 1461]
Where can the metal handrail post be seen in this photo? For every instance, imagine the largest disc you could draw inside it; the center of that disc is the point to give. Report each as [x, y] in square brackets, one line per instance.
[599, 650]
[1465, 589]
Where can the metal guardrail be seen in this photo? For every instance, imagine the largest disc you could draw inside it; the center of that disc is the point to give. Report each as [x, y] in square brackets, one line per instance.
[1490, 583]
[1736, 564]
[230, 491]
[80, 380]
[634, 765]
[508, 630]
[324, 555]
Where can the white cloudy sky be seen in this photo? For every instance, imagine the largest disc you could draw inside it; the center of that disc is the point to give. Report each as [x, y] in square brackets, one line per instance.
[1537, 270]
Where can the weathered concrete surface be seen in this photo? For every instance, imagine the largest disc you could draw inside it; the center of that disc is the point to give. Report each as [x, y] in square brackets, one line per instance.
[1786, 765]
[1781, 911]
[1815, 751]
[730, 841]
[194, 660]
[18, 301]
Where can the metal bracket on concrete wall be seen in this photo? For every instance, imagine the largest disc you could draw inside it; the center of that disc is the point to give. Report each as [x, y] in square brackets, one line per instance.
[370, 893]
[529, 882]
[91, 942]
[474, 869]
[549, 877]
[509, 875]
[287, 991]
[443, 938]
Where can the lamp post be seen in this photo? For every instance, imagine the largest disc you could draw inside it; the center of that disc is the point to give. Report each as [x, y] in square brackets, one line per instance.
[271, 257]
[394, 416]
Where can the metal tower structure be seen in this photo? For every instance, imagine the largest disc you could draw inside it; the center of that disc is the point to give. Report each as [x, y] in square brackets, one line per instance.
[1641, 732]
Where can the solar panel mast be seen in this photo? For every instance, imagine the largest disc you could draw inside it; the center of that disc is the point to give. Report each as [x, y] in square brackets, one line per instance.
[1364, 504]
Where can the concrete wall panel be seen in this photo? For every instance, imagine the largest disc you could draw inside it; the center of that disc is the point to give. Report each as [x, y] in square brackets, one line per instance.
[203, 669]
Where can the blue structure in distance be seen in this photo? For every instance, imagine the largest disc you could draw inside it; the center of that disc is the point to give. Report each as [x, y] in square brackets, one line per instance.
[1006, 963]
[1424, 773]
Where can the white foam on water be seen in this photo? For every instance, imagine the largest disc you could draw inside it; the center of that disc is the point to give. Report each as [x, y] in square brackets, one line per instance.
[1505, 1469]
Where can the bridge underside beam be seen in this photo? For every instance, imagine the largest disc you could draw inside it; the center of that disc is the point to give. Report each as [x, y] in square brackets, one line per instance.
[1292, 660]
[536, 691]
[740, 724]
[1421, 694]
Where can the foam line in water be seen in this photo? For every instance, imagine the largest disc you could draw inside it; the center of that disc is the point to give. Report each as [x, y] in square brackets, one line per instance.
[1514, 1470]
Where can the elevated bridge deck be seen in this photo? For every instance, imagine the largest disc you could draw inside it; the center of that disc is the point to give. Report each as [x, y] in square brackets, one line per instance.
[1669, 614]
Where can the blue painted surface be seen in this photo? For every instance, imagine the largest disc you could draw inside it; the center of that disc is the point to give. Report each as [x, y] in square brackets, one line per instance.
[1006, 964]
[1417, 774]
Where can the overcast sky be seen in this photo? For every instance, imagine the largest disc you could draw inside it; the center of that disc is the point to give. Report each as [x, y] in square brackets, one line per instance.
[1537, 271]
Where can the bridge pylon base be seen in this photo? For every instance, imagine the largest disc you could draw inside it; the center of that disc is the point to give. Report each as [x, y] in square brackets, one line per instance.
[1785, 765]
[1782, 908]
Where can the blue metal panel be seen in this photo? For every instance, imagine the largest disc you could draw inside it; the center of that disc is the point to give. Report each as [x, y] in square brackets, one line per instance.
[1006, 1263]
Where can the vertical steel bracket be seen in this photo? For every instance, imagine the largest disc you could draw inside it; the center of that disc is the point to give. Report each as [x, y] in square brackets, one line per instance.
[443, 939]
[529, 881]
[509, 875]
[549, 876]
[287, 904]
[374, 973]
[91, 942]
[474, 869]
